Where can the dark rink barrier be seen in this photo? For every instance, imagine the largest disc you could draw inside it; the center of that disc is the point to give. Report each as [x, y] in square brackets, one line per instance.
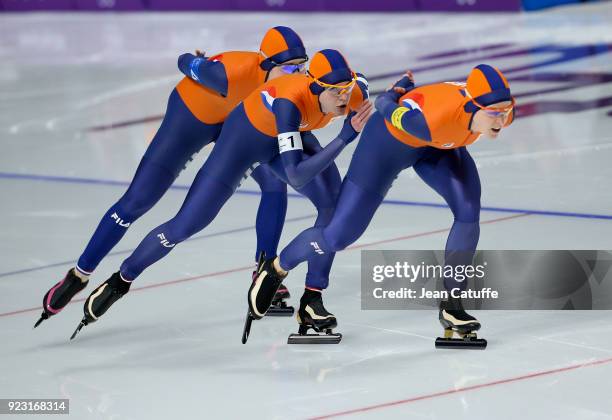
[264, 5]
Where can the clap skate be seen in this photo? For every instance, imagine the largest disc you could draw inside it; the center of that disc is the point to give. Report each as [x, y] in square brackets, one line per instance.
[312, 314]
[262, 292]
[60, 295]
[459, 327]
[279, 305]
[101, 299]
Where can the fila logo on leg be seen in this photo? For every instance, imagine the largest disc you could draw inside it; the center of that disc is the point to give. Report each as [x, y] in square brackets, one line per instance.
[164, 241]
[317, 248]
[120, 221]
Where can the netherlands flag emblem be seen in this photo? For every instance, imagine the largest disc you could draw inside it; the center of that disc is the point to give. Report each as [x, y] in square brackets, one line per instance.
[268, 97]
[411, 104]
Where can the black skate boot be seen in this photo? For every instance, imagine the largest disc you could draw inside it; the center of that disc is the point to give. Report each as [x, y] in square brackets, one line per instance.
[60, 295]
[102, 298]
[312, 314]
[262, 291]
[279, 305]
[457, 322]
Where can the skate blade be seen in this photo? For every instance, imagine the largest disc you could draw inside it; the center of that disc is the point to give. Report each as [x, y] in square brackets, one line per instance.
[43, 317]
[333, 338]
[461, 343]
[78, 328]
[247, 327]
[280, 311]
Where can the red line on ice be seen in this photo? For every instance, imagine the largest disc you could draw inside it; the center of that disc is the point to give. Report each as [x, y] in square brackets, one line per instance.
[462, 389]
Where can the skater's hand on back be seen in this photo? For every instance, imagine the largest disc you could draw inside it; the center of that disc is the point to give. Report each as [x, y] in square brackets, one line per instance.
[361, 116]
[404, 84]
[200, 53]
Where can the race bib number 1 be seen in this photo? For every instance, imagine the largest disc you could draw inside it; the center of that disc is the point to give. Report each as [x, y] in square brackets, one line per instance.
[290, 141]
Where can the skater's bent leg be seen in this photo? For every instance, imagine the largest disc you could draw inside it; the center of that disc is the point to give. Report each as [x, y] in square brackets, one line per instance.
[205, 198]
[178, 138]
[453, 175]
[353, 214]
[148, 186]
[354, 211]
[271, 212]
[323, 192]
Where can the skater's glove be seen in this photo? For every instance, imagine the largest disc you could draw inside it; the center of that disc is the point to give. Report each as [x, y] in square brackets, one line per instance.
[348, 133]
[355, 121]
[209, 73]
[402, 86]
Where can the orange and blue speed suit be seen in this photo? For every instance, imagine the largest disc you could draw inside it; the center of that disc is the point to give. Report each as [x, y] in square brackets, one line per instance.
[427, 129]
[273, 125]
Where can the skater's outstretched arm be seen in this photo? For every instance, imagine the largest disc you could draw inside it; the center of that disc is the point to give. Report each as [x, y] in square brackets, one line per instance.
[207, 72]
[299, 169]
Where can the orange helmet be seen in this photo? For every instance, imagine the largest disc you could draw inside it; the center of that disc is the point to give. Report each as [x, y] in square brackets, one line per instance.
[281, 44]
[486, 85]
[329, 68]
